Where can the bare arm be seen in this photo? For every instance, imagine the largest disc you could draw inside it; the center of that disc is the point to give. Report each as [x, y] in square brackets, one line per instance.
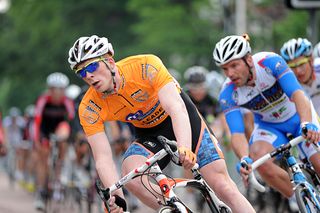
[173, 104]
[240, 145]
[302, 105]
[102, 154]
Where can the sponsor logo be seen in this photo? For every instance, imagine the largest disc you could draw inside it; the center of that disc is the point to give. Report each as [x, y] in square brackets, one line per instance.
[263, 85]
[139, 115]
[140, 96]
[151, 72]
[91, 112]
[250, 93]
[235, 96]
[90, 115]
[268, 70]
[94, 105]
[278, 113]
[150, 144]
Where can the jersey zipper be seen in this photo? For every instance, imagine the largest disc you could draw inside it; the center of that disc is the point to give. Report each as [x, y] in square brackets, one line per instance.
[126, 99]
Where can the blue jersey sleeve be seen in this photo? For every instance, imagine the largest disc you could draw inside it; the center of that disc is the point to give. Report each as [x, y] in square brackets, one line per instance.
[231, 110]
[282, 72]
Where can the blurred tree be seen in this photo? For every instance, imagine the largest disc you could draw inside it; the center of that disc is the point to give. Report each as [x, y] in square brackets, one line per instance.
[35, 37]
[182, 32]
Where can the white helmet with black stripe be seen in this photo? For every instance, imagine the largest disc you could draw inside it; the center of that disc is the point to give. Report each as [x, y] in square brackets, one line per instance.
[230, 48]
[88, 47]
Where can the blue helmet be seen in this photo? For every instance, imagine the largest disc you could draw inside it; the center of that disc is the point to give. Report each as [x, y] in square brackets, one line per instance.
[295, 48]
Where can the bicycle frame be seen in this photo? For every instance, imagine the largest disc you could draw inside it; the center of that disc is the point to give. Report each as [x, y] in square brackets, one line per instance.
[297, 176]
[165, 184]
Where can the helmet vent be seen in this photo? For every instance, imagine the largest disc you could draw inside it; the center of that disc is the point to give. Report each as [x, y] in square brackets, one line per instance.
[240, 48]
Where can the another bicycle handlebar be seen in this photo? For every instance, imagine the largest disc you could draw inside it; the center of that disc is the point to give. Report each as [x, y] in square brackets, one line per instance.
[263, 159]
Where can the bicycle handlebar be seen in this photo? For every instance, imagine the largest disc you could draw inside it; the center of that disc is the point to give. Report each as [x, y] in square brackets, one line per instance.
[169, 147]
[264, 158]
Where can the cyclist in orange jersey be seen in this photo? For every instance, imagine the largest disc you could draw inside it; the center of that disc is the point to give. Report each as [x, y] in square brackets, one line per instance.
[139, 90]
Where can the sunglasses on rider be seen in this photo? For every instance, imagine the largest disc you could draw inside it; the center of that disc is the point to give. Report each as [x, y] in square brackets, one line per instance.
[91, 67]
[299, 63]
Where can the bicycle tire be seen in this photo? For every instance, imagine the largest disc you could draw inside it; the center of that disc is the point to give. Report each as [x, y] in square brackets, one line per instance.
[311, 176]
[304, 200]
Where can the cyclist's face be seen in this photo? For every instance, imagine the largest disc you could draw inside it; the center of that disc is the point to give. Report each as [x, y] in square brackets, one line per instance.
[100, 79]
[237, 71]
[198, 92]
[57, 93]
[302, 68]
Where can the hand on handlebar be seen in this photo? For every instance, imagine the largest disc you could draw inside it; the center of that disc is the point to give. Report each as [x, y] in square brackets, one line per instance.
[186, 157]
[113, 207]
[310, 132]
[244, 168]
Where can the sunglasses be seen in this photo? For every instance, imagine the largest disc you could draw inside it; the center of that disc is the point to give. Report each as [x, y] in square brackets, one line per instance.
[91, 67]
[299, 63]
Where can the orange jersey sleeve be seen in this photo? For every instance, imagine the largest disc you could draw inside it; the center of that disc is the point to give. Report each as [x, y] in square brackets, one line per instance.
[90, 113]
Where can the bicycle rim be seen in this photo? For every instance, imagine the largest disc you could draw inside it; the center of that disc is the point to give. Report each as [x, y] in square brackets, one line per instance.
[304, 200]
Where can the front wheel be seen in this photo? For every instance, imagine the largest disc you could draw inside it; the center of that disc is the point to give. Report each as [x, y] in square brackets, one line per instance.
[165, 209]
[305, 200]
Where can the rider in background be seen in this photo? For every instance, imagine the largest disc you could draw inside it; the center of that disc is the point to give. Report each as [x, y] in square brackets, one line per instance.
[140, 90]
[298, 55]
[13, 128]
[197, 89]
[28, 154]
[53, 111]
[259, 83]
[3, 149]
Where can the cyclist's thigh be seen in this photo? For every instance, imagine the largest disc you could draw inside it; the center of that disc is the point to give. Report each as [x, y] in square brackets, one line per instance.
[264, 139]
[268, 134]
[306, 150]
[216, 175]
[208, 149]
[132, 162]
[147, 146]
[315, 160]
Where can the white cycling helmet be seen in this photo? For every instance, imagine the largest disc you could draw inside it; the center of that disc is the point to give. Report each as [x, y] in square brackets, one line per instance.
[215, 81]
[295, 48]
[73, 91]
[88, 47]
[230, 48]
[14, 112]
[316, 51]
[30, 110]
[57, 80]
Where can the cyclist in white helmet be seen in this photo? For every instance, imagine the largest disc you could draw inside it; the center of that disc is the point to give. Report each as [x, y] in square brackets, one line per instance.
[259, 83]
[53, 111]
[13, 125]
[316, 58]
[139, 90]
[298, 55]
[198, 89]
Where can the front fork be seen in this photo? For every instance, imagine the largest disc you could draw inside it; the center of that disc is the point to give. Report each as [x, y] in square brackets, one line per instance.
[298, 178]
